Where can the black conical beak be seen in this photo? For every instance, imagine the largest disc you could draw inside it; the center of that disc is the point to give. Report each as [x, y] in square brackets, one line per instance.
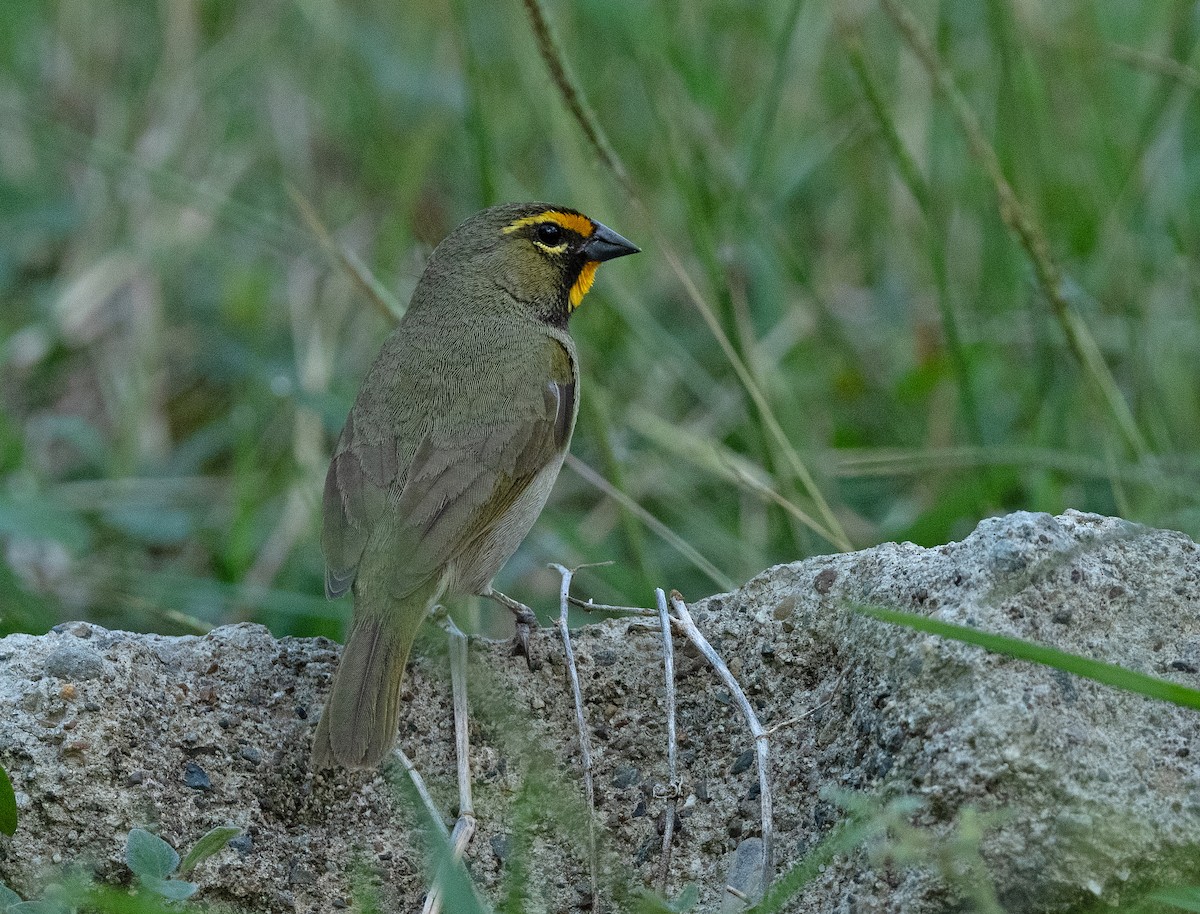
[605, 244]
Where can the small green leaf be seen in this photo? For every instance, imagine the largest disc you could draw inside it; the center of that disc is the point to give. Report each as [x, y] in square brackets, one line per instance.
[210, 844]
[647, 902]
[686, 900]
[171, 889]
[8, 807]
[8, 897]
[149, 856]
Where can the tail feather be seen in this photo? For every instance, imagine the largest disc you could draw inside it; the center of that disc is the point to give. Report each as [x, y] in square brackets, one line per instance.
[358, 726]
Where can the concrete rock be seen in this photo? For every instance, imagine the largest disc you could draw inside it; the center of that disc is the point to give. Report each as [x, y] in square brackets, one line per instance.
[103, 731]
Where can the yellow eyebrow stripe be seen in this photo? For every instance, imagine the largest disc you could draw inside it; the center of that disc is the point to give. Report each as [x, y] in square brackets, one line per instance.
[573, 221]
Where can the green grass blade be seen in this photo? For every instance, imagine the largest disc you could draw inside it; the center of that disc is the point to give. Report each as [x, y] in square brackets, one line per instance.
[458, 892]
[774, 94]
[1109, 674]
[1186, 898]
[915, 181]
[8, 805]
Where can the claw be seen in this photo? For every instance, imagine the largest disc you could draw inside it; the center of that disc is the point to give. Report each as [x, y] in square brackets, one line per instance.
[526, 622]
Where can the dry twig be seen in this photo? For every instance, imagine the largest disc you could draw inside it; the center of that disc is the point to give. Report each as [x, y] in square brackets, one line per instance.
[672, 749]
[358, 272]
[585, 745]
[575, 102]
[1154, 63]
[464, 827]
[684, 620]
[418, 783]
[591, 606]
[462, 739]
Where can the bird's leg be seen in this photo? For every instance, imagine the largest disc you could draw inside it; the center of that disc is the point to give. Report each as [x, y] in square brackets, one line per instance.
[526, 622]
[464, 827]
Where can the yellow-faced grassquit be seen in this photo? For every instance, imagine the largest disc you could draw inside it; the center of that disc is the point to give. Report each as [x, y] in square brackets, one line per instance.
[451, 448]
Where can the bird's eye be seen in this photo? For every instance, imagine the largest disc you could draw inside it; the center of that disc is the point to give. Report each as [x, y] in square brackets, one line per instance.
[550, 233]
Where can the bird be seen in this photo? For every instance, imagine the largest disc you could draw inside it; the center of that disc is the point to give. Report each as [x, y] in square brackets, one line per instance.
[451, 448]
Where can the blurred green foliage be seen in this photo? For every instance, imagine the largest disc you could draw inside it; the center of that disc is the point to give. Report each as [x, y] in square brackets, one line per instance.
[178, 351]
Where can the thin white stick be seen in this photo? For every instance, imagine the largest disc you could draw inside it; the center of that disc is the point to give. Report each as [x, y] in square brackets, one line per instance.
[462, 739]
[585, 745]
[590, 606]
[464, 827]
[422, 791]
[672, 750]
[464, 831]
[756, 729]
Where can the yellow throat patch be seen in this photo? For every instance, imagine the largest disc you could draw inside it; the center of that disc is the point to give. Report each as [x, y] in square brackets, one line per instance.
[587, 276]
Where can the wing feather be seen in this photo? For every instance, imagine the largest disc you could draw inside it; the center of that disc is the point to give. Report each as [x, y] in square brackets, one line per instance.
[419, 511]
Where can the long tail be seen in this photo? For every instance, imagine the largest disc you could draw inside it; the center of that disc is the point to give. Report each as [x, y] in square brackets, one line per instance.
[358, 726]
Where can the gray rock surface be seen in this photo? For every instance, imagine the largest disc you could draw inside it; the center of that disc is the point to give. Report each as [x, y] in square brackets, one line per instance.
[1099, 790]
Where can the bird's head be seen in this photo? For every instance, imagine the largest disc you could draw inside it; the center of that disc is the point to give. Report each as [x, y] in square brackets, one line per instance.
[544, 257]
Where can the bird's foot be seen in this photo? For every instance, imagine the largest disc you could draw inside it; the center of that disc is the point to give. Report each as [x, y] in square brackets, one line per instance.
[526, 623]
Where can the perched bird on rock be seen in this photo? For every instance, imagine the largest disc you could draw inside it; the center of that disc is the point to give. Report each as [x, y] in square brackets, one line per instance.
[451, 448]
